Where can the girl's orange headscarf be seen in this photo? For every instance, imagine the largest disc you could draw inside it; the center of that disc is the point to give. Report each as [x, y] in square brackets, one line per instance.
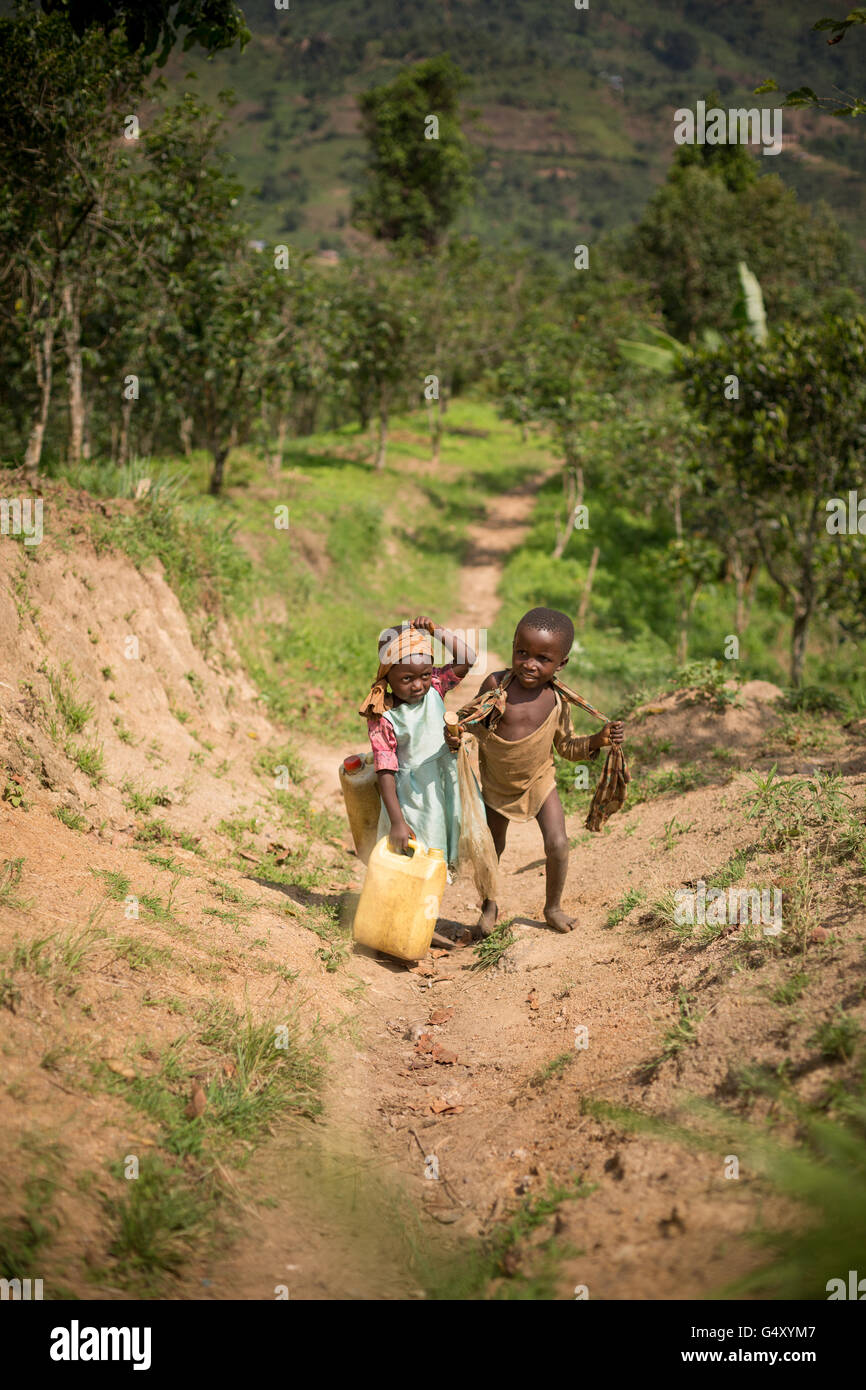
[409, 641]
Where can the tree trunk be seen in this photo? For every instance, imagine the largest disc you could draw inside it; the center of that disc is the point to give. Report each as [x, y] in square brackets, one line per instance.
[74, 373]
[43, 357]
[744, 581]
[185, 432]
[798, 644]
[87, 442]
[749, 588]
[276, 463]
[220, 454]
[123, 441]
[572, 482]
[587, 589]
[382, 445]
[686, 608]
[148, 442]
[434, 417]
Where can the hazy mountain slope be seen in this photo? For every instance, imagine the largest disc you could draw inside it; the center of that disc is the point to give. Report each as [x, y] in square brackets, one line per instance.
[575, 107]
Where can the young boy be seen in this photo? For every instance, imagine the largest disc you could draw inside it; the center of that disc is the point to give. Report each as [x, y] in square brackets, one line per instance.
[515, 754]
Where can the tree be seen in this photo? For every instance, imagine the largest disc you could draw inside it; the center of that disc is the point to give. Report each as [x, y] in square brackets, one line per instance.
[697, 227]
[206, 339]
[375, 340]
[61, 127]
[419, 165]
[805, 96]
[213, 24]
[793, 440]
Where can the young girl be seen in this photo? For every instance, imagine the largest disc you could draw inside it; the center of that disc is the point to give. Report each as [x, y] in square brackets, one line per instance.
[405, 716]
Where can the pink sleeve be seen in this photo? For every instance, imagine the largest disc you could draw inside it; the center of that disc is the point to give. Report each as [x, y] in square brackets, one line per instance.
[383, 741]
[444, 678]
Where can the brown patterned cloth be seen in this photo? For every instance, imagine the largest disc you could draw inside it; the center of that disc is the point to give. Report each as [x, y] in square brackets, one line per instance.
[520, 775]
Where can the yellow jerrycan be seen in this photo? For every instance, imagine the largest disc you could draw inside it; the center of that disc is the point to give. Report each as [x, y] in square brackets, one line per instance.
[400, 900]
[360, 787]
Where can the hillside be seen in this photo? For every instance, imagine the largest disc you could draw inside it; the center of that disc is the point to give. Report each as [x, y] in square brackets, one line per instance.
[574, 109]
[179, 985]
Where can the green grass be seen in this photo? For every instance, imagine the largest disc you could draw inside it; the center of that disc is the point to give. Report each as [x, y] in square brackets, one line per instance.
[139, 954]
[70, 818]
[116, 883]
[630, 900]
[328, 923]
[143, 802]
[490, 951]
[155, 831]
[259, 1072]
[89, 757]
[822, 1171]
[56, 958]
[187, 533]
[10, 878]
[732, 870]
[680, 1035]
[26, 1238]
[551, 1070]
[790, 990]
[156, 1221]
[512, 1257]
[837, 1038]
[121, 730]
[74, 713]
[169, 862]
[357, 539]
[229, 894]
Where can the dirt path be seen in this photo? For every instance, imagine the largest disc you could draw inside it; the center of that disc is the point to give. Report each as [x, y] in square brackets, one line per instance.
[494, 1135]
[424, 1141]
[496, 1109]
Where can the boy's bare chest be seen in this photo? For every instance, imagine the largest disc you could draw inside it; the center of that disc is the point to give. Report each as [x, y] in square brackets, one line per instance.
[522, 717]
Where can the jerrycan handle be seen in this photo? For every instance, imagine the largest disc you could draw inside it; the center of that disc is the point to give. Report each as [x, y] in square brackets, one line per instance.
[410, 844]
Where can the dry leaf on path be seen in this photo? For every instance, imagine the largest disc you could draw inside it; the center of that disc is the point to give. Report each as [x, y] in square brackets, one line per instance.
[197, 1103]
[126, 1072]
[441, 1015]
[532, 999]
[444, 1107]
[443, 1056]
[424, 1043]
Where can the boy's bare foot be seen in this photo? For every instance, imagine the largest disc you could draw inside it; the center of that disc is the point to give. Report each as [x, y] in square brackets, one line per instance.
[442, 941]
[556, 918]
[487, 921]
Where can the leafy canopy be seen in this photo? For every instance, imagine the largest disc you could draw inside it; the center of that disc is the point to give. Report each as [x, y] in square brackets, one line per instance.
[212, 24]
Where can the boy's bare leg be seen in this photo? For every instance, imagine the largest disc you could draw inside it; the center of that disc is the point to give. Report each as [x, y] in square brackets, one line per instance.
[551, 821]
[489, 910]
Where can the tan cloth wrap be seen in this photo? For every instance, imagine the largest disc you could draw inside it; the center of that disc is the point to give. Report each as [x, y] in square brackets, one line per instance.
[517, 777]
[411, 641]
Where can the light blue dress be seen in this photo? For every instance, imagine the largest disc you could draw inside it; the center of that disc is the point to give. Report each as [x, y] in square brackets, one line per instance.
[426, 780]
